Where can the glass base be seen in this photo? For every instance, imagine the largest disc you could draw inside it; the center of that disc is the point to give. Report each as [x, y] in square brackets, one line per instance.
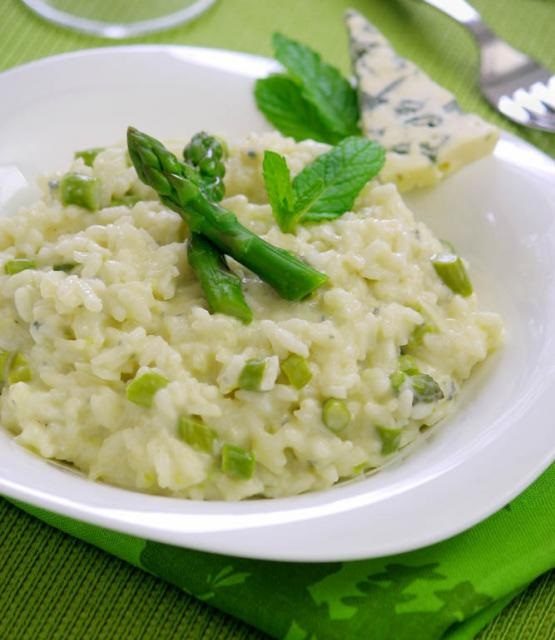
[118, 19]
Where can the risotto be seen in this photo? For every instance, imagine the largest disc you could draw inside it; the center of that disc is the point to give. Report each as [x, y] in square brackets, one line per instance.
[95, 304]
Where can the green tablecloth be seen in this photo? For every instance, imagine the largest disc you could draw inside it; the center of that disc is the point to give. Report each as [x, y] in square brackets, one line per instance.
[53, 586]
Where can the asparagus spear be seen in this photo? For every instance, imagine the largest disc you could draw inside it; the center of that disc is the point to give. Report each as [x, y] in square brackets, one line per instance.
[179, 188]
[207, 154]
[221, 287]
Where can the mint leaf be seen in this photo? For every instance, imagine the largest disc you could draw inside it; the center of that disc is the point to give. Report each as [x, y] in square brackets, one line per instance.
[321, 85]
[280, 99]
[277, 179]
[327, 187]
[324, 189]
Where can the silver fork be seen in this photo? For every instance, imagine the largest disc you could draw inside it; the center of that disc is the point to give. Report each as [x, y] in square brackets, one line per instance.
[515, 84]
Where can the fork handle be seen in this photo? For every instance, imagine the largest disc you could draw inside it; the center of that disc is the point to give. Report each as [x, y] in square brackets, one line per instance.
[464, 14]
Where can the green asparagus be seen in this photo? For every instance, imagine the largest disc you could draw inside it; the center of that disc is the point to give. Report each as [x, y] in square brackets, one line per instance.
[397, 379]
[5, 358]
[221, 287]
[335, 414]
[19, 369]
[80, 190]
[127, 200]
[251, 375]
[391, 439]
[450, 268]
[207, 154]
[296, 370]
[237, 462]
[196, 434]
[88, 155]
[142, 390]
[178, 187]
[425, 388]
[17, 265]
[64, 266]
[407, 364]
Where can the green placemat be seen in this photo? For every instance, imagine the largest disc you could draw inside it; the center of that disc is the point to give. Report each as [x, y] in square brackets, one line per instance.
[433, 40]
[448, 591]
[54, 586]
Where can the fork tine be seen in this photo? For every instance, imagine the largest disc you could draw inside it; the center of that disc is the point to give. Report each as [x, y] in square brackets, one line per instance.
[515, 110]
[541, 121]
[544, 94]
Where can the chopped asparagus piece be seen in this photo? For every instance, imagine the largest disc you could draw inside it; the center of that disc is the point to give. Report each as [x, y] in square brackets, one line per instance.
[18, 264]
[417, 337]
[80, 190]
[5, 357]
[407, 368]
[221, 287]
[361, 468]
[237, 462]
[142, 390]
[251, 376]
[335, 414]
[397, 379]
[64, 266]
[295, 368]
[391, 439]
[88, 155]
[450, 268]
[196, 434]
[407, 365]
[19, 369]
[425, 388]
[179, 187]
[420, 331]
[127, 200]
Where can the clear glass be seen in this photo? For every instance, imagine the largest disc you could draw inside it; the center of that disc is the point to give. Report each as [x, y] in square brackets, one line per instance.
[119, 18]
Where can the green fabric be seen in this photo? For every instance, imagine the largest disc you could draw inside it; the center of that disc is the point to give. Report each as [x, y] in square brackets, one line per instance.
[55, 587]
[447, 591]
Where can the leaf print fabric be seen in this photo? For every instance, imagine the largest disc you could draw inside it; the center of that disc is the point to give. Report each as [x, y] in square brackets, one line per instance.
[447, 591]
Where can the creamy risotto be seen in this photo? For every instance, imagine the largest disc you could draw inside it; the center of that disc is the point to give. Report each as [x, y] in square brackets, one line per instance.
[307, 394]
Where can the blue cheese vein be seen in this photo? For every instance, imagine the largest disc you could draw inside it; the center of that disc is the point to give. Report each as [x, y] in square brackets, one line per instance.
[419, 123]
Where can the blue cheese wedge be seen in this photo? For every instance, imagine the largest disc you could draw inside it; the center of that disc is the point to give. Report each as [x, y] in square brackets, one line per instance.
[419, 123]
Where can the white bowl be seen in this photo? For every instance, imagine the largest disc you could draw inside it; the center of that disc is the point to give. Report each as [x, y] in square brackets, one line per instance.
[500, 213]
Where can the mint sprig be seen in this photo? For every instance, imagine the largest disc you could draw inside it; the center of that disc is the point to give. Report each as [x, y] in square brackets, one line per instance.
[324, 189]
[281, 101]
[312, 101]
